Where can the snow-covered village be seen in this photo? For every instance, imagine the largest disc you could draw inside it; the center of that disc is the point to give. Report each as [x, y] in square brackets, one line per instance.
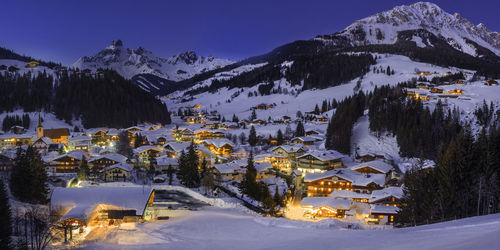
[380, 133]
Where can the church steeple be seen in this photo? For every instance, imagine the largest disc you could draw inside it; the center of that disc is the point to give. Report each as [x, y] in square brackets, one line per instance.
[39, 128]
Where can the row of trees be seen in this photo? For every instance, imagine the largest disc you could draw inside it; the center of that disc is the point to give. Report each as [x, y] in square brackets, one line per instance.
[417, 129]
[465, 181]
[110, 101]
[28, 177]
[259, 191]
[15, 120]
[339, 130]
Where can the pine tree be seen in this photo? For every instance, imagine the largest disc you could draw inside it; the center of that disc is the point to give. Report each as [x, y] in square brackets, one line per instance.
[188, 168]
[253, 116]
[279, 137]
[83, 170]
[277, 197]
[316, 110]
[123, 146]
[235, 118]
[252, 137]
[248, 184]
[300, 131]
[5, 219]
[28, 177]
[170, 174]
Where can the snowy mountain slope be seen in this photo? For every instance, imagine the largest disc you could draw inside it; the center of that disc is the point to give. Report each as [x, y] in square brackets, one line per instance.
[288, 104]
[21, 65]
[383, 28]
[129, 62]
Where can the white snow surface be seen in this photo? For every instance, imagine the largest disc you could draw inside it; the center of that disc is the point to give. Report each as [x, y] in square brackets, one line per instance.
[217, 228]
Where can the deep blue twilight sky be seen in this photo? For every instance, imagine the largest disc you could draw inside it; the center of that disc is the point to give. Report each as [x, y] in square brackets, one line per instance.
[62, 30]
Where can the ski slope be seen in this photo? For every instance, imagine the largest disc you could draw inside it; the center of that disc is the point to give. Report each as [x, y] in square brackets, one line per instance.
[219, 228]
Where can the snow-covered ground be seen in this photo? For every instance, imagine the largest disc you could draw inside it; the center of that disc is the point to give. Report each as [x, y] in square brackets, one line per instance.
[287, 104]
[219, 228]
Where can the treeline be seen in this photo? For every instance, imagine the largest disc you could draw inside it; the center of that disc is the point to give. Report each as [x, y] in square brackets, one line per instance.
[9, 54]
[339, 130]
[315, 71]
[111, 101]
[327, 69]
[26, 92]
[417, 129]
[15, 120]
[464, 183]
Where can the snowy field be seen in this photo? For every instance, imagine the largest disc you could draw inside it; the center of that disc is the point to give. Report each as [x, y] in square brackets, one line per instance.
[219, 228]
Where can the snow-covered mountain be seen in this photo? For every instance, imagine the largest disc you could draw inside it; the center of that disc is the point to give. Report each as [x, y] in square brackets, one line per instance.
[130, 62]
[383, 28]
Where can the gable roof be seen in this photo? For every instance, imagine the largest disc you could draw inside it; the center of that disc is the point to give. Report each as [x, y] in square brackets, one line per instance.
[219, 142]
[76, 154]
[356, 178]
[290, 148]
[376, 164]
[378, 195]
[177, 146]
[45, 140]
[146, 148]
[82, 201]
[122, 165]
[326, 155]
[165, 161]
[112, 156]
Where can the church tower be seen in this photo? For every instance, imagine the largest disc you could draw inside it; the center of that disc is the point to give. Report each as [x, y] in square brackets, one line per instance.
[39, 128]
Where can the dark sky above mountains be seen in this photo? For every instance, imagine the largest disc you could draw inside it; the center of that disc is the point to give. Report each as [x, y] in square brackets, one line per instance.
[63, 31]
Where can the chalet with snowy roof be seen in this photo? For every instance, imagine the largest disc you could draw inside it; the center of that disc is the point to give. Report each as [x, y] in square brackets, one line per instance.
[147, 152]
[117, 172]
[373, 167]
[286, 156]
[16, 140]
[220, 147]
[354, 196]
[381, 215]
[304, 140]
[226, 171]
[107, 160]
[366, 157]
[42, 144]
[98, 135]
[68, 162]
[79, 143]
[319, 161]
[207, 134]
[32, 64]
[174, 149]
[184, 134]
[164, 162]
[323, 184]
[102, 206]
[390, 196]
[325, 207]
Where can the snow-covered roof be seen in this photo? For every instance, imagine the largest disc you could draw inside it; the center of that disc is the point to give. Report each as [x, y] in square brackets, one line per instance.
[114, 132]
[357, 179]
[378, 165]
[219, 142]
[376, 209]
[178, 146]
[166, 161]
[79, 138]
[83, 201]
[122, 165]
[262, 166]
[349, 194]
[227, 168]
[45, 140]
[290, 148]
[146, 148]
[377, 195]
[305, 139]
[76, 154]
[112, 156]
[324, 155]
[335, 203]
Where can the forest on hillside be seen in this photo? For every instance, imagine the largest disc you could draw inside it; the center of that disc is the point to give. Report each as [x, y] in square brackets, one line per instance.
[110, 101]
